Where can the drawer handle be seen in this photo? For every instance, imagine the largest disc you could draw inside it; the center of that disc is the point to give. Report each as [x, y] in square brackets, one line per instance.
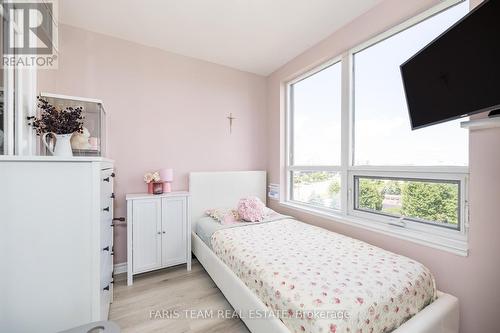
[112, 175]
[106, 209]
[106, 288]
[112, 196]
[106, 179]
[106, 248]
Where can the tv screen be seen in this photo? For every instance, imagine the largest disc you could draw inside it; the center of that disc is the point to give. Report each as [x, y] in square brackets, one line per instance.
[458, 73]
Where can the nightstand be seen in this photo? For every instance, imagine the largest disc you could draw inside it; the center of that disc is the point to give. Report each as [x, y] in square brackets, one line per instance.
[158, 232]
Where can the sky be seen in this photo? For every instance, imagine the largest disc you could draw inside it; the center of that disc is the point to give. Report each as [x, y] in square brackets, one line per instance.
[382, 131]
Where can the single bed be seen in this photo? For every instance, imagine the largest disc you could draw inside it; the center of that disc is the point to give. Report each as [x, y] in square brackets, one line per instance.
[347, 284]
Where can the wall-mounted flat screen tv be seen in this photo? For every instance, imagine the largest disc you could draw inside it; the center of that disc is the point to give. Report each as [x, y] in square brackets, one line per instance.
[457, 74]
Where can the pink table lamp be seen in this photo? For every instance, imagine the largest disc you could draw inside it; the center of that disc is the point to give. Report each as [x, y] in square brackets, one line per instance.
[167, 176]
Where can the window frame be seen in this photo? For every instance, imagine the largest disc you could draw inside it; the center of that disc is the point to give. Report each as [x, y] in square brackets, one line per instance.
[403, 220]
[290, 166]
[448, 239]
[412, 224]
[19, 89]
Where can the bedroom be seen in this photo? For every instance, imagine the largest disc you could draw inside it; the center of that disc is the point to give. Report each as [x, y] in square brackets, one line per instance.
[207, 94]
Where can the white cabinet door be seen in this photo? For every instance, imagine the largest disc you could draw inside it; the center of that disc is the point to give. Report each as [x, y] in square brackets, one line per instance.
[146, 240]
[174, 239]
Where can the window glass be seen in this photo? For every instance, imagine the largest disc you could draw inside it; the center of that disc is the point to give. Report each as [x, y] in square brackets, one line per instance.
[382, 131]
[434, 202]
[318, 188]
[315, 106]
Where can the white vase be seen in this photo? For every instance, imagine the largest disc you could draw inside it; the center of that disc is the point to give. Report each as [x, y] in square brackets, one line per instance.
[61, 146]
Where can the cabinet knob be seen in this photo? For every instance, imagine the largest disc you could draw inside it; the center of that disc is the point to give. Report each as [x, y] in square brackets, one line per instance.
[112, 196]
[159, 232]
[106, 288]
[164, 232]
[106, 248]
[106, 209]
[113, 174]
[106, 179]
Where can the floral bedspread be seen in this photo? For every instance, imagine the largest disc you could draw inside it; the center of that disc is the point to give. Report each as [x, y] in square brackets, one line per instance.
[316, 280]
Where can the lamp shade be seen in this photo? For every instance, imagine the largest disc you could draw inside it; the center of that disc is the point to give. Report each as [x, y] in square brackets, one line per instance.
[167, 175]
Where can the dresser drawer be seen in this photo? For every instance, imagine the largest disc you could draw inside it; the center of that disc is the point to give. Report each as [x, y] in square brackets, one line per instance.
[106, 296]
[106, 260]
[107, 177]
[106, 233]
[106, 283]
[106, 269]
[106, 207]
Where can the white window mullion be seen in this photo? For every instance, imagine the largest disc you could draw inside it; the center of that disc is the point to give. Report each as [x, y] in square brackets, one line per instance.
[315, 168]
[286, 187]
[345, 130]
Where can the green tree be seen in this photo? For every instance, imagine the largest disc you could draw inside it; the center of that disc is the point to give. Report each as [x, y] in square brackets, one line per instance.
[334, 187]
[392, 187]
[430, 201]
[370, 196]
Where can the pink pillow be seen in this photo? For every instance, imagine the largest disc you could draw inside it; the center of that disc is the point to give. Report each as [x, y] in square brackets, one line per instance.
[251, 209]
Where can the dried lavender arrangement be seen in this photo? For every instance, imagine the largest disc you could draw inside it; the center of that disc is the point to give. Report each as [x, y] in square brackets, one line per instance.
[65, 121]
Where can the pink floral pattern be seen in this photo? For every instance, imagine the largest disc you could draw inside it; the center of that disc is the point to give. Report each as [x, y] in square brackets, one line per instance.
[295, 267]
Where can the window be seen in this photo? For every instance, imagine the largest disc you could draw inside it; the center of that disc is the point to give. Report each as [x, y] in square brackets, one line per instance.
[382, 131]
[351, 153]
[17, 100]
[428, 201]
[315, 132]
[318, 188]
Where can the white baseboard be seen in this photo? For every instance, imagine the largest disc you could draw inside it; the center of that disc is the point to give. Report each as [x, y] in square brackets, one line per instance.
[120, 268]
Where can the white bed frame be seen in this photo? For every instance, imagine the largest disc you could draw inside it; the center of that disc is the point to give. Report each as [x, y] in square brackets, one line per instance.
[224, 189]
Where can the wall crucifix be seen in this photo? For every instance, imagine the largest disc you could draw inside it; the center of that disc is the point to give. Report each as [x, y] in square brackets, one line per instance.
[231, 118]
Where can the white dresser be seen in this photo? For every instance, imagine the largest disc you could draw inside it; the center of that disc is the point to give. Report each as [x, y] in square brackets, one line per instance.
[158, 232]
[56, 242]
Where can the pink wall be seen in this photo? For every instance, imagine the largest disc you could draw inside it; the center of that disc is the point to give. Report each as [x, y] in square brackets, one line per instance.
[472, 279]
[164, 110]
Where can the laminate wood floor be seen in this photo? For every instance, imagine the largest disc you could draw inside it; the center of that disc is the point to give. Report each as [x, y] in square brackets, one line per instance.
[155, 298]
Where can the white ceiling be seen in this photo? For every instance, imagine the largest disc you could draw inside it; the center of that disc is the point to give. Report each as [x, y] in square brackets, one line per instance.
[257, 36]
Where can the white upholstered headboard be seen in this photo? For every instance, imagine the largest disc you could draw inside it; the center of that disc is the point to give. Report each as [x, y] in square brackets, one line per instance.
[223, 190]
